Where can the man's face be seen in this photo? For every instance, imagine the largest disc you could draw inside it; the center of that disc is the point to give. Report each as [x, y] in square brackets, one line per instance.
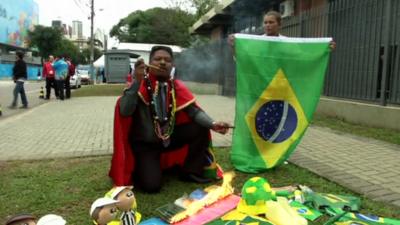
[271, 26]
[24, 222]
[51, 58]
[162, 60]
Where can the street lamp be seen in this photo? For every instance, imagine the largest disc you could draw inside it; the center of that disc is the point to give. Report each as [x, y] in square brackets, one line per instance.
[91, 40]
[91, 60]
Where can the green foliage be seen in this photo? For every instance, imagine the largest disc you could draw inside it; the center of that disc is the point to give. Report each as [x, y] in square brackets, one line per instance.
[156, 25]
[46, 39]
[200, 7]
[203, 6]
[50, 41]
[383, 134]
[67, 48]
[85, 55]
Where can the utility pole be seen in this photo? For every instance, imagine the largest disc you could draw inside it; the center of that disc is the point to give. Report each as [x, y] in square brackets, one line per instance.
[92, 41]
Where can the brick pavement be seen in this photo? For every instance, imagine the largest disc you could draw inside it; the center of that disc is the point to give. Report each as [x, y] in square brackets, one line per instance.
[75, 127]
[32, 89]
[83, 126]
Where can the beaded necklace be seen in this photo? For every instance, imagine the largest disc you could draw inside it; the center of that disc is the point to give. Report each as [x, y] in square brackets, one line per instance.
[159, 131]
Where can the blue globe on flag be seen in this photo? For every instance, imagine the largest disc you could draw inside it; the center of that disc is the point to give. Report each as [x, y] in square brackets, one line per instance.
[276, 121]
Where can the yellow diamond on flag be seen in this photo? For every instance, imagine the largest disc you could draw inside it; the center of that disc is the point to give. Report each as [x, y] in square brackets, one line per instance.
[276, 120]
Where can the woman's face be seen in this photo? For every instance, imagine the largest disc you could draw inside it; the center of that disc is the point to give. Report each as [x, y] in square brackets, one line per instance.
[271, 26]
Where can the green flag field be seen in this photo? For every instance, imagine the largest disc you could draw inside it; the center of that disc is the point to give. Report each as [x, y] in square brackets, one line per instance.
[279, 82]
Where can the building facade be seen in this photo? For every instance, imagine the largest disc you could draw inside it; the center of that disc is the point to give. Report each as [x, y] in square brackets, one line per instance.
[17, 18]
[77, 29]
[366, 63]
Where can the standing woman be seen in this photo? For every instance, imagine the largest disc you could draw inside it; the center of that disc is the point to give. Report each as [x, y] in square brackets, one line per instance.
[272, 27]
[19, 77]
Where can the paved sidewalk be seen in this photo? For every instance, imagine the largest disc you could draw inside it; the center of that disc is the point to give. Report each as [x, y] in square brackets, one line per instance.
[75, 127]
[32, 90]
[83, 127]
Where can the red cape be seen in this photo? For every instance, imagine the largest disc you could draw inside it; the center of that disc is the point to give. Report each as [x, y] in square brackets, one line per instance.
[123, 160]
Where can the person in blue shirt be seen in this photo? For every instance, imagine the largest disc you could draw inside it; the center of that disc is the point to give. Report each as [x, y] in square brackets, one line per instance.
[61, 72]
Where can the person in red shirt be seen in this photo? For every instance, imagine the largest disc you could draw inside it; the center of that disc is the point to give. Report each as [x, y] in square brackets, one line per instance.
[49, 73]
[71, 72]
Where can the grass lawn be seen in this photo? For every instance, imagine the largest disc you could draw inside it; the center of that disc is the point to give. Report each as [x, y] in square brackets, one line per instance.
[68, 187]
[99, 90]
[388, 135]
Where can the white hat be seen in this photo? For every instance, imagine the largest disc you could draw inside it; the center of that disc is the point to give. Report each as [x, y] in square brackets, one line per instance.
[51, 219]
[118, 189]
[101, 202]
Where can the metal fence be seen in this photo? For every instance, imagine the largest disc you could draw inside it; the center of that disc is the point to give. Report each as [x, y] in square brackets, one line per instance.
[364, 66]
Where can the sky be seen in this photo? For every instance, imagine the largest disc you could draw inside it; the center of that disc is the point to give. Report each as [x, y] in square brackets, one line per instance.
[107, 12]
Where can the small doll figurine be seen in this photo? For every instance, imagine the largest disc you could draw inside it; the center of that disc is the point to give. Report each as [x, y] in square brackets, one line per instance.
[22, 219]
[103, 211]
[126, 204]
[51, 219]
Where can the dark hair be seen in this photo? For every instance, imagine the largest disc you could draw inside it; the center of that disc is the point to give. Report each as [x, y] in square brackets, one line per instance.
[275, 14]
[20, 54]
[160, 47]
[139, 62]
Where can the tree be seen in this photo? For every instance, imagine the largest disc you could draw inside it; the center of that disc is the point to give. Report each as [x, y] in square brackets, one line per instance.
[156, 25]
[203, 6]
[50, 41]
[46, 39]
[67, 48]
[200, 7]
[86, 55]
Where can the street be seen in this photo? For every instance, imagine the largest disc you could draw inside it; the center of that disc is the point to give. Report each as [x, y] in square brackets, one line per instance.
[32, 89]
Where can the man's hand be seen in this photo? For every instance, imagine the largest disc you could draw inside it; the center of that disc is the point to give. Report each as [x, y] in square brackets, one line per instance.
[221, 127]
[332, 45]
[231, 40]
[138, 77]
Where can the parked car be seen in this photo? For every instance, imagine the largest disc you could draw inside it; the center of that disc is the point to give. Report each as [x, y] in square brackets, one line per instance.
[83, 72]
[75, 81]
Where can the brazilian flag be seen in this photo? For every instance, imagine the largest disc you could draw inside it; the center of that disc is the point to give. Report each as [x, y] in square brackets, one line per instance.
[361, 219]
[279, 81]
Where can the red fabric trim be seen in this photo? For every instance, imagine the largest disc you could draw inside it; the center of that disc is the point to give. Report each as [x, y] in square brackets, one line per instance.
[123, 161]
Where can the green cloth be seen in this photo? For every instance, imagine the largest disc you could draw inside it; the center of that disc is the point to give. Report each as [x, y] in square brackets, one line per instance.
[279, 81]
[332, 204]
[357, 218]
[304, 211]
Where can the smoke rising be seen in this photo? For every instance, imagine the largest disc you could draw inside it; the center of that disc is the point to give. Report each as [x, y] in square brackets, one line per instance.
[212, 62]
[203, 64]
